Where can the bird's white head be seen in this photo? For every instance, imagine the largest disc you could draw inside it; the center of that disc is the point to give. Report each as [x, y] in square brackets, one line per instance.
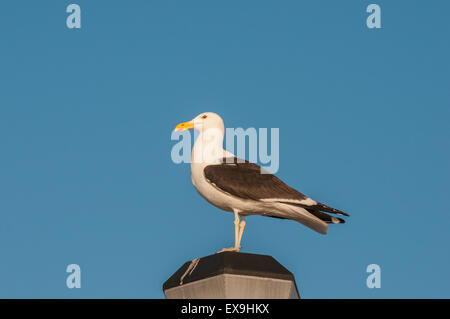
[202, 122]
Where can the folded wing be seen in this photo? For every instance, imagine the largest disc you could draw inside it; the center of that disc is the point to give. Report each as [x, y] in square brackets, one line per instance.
[245, 180]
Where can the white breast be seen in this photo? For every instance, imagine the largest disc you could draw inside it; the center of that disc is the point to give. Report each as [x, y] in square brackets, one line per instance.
[208, 191]
[203, 148]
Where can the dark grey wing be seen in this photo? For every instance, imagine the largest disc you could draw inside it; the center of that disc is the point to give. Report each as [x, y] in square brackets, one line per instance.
[244, 180]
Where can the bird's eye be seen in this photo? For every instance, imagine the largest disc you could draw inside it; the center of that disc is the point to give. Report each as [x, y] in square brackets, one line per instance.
[204, 116]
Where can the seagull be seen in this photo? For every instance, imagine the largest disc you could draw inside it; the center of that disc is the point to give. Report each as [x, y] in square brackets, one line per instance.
[244, 188]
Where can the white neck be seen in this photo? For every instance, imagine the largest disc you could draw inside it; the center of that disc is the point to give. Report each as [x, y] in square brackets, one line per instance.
[208, 147]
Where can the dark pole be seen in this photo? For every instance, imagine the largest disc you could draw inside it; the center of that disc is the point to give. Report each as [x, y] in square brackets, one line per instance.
[230, 275]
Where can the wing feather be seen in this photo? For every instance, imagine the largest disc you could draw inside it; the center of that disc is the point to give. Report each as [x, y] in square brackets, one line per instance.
[245, 180]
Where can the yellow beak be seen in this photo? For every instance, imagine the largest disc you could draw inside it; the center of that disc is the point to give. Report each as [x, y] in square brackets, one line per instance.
[184, 126]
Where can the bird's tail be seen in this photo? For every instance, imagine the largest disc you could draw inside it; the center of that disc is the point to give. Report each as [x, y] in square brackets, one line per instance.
[314, 221]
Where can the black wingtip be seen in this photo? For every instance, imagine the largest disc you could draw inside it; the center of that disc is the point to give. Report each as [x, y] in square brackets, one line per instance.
[320, 207]
[331, 210]
[342, 213]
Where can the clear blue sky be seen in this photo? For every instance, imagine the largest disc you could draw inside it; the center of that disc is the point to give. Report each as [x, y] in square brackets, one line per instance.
[86, 116]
